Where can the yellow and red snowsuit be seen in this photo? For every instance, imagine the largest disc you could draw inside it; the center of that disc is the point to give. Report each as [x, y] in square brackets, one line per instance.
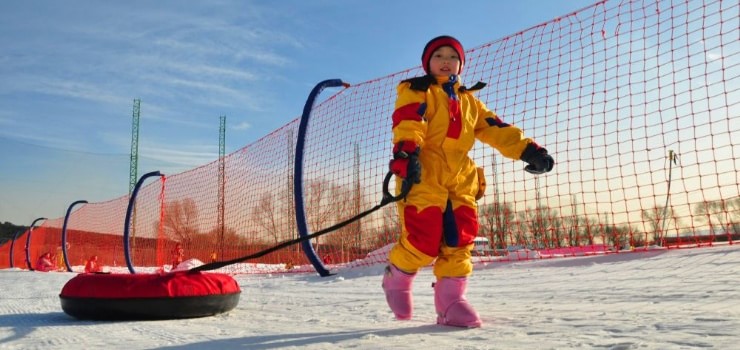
[439, 216]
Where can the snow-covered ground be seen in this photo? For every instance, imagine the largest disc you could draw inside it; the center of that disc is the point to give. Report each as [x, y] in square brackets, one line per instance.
[675, 299]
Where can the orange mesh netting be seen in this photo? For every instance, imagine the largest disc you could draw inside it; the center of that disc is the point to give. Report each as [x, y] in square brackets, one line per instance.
[637, 101]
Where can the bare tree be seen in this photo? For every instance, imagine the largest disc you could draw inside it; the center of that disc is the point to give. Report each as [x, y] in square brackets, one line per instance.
[591, 228]
[391, 220]
[617, 236]
[535, 223]
[497, 220]
[574, 230]
[180, 219]
[733, 208]
[329, 204]
[553, 226]
[722, 212]
[318, 206]
[231, 242]
[389, 230]
[523, 234]
[654, 218]
[341, 199]
[265, 215]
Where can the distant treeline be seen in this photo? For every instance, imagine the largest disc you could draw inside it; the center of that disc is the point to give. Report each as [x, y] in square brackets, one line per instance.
[8, 230]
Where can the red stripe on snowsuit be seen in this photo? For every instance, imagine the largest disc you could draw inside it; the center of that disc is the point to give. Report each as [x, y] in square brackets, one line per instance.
[424, 228]
[412, 112]
[453, 131]
[463, 230]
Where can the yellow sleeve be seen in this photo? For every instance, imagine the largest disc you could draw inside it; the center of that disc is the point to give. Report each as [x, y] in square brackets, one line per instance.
[409, 123]
[491, 130]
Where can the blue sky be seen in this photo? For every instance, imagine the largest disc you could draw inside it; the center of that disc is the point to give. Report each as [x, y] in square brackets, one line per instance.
[69, 72]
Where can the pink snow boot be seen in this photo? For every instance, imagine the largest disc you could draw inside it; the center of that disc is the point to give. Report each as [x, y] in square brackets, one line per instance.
[397, 287]
[452, 307]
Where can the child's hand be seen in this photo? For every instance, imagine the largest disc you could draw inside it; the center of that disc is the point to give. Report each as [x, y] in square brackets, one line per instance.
[405, 163]
[407, 168]
[539, 161]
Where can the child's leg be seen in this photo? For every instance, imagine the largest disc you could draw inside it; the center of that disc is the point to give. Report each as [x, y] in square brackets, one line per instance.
[452, 307]
[421, 236]
[452, 268]
[403, 262]
[460, 223]
[397, 288]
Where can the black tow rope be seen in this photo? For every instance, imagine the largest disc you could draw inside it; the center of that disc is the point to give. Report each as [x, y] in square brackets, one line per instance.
[387, 199]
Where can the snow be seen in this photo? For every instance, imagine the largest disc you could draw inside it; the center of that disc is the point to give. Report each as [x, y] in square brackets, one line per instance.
[659, 299]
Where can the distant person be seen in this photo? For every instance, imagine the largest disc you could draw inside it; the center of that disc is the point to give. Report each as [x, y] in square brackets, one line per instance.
[54, 260]
[213, 257]
[178, 255]
[44, 263]
[60, 258]
[92, 266]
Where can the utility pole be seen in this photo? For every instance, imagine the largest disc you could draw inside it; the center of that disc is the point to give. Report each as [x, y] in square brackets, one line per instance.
[358, 198]
[540, 218]
[498, 210]
[221, 181]
[671, 160]
[134, 165]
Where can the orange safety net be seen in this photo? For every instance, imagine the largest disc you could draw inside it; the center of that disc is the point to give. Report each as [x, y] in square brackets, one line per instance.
[637, 101]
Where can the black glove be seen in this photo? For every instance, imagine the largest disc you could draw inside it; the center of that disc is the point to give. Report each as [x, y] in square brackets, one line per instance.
[539, 162]
[405, 163]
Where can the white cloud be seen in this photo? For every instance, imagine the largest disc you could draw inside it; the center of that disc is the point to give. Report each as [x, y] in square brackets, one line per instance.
[76, 89]
[713, 56]
[185, 156]
[241, 126]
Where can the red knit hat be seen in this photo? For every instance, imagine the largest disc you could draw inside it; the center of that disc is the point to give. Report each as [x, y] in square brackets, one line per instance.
[434, 44]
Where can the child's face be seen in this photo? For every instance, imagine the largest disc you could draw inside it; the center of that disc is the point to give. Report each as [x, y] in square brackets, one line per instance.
[444, 62]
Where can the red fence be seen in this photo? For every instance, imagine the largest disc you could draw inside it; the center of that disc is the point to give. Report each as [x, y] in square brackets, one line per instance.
[638, 101]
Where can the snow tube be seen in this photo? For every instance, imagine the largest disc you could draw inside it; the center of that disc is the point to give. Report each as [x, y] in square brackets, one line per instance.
[162, 296]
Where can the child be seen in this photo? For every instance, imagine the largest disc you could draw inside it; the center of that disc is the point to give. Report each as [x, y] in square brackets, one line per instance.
[435, 124]
[91, 266]
[60, 259]
[44, 263]
[178, 254]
